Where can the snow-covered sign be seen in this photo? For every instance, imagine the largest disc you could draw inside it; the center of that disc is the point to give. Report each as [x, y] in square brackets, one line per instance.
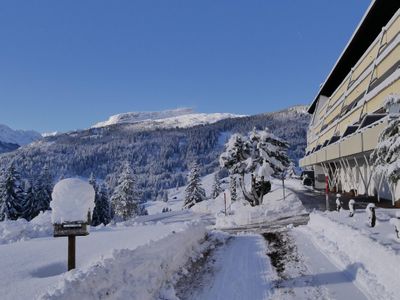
[73, 200]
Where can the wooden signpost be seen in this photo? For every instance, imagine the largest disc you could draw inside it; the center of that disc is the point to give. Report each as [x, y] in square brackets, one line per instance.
[71, 230]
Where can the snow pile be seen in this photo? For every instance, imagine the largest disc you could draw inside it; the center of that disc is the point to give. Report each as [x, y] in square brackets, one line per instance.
[147, 272]
[21, 229]
[241, 213]
[72, 198]
[370, 255]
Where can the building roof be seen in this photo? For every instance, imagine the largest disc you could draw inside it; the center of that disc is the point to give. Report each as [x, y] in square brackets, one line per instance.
[377, 16]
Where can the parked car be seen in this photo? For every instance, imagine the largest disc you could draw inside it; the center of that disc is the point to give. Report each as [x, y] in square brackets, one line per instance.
[307, 177]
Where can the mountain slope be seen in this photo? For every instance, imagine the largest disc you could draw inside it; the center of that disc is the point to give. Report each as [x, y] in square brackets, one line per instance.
[19, 137]
[160, 157]
[181, 118]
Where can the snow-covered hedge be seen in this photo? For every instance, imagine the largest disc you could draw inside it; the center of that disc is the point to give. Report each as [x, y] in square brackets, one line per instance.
[146, 272]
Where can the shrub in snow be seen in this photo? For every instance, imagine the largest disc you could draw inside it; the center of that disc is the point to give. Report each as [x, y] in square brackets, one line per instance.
[386, 156]
[351, 207]
[338, 202]
[396, 223]
[73, 201]
[125, 199]
[194, 191]
[261, 154]
[216, 188]
[371, 214]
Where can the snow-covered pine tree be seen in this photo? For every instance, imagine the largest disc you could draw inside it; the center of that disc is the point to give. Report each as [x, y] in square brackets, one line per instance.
[216, 189]
[238, 149]
[194, 191]
[386, 156]
[273, 151]
[291, 170]
[260, 153]
[42, 189]
[125, 200]
[12, 196]
[102, 210]
[30, 202]
[232, 188]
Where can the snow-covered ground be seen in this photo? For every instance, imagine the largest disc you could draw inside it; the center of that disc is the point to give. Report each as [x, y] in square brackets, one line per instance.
[371, 256]
[38, 266]
[332, 257]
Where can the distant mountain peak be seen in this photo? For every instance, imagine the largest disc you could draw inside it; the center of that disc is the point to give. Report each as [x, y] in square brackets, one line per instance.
[180, 117]
[19, 137]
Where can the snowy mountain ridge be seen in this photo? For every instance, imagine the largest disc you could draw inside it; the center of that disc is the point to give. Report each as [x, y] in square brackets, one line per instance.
[19, 137]
[180, 117]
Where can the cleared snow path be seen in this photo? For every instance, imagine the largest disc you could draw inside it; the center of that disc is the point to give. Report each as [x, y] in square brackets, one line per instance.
[242, 271]
[339, 283]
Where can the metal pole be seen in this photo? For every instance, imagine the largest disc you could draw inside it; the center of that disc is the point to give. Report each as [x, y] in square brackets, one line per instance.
[327, 192]
[71, 252]
[283, 185]
[225, 202]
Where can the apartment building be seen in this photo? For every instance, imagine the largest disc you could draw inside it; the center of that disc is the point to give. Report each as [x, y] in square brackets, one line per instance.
[348, 113]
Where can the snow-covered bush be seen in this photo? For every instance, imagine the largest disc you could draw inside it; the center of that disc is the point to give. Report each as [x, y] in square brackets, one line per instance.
[386, 156]
[396, 223]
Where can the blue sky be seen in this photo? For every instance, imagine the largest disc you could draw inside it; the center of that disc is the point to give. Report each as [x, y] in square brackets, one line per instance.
[69, 64]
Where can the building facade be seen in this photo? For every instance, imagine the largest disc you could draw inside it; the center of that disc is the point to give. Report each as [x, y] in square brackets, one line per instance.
[348, 113]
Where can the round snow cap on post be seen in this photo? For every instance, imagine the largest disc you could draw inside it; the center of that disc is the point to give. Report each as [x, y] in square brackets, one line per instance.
[73, 199]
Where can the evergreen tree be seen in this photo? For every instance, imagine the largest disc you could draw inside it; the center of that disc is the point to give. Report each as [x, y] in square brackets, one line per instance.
[125, 200]
[102, 210]
[232, 188]
[41, 190]
[194, 190]
[291, 170]
[216, 189]
[12, 196]
[30, 202]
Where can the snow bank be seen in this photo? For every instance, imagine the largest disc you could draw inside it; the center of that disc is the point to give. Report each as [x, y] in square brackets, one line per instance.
[242, 213]
[369, 254]
[21, 229]
[72, 198]
[146, 272]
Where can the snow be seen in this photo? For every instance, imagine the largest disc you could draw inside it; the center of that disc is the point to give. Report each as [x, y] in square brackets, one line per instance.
[39, 266]
[19, 137]
[72, 198]
[20, 230]
[243, 271]
[142, 273]
[181, 118]
[371, 255]
[241, 213]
